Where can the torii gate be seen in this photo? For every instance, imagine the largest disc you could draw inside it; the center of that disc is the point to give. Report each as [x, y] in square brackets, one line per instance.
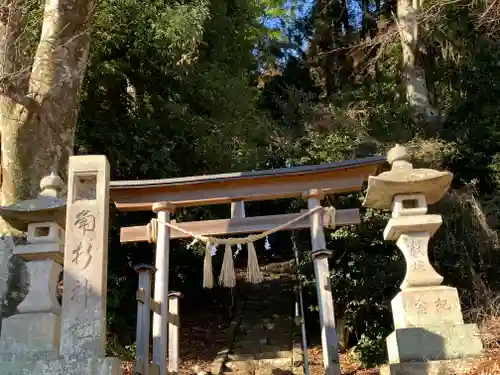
[311, 182]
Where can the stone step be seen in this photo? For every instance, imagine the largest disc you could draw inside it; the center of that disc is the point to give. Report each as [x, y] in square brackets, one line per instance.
[264, 341]
[284, 363]
[248, 343]
[266, 355]
[278, 342]
[297, 355]
[243, 365]
[293, 371]
[275, 355]
[248, 365]
[236, 356]
[279, 349]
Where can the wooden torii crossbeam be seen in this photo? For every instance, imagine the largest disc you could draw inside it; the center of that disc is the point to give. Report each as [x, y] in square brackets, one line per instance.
[311, 182]
[234, 226]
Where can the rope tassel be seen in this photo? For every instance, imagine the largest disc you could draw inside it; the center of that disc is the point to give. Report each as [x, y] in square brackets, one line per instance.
[208, 276]
[227, 277]
[254, 275]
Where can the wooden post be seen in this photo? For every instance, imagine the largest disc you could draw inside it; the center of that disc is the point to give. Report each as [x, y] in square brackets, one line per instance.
[160, 320]
[237, 209]
[322, 273]
[174, 325]
[143, 318]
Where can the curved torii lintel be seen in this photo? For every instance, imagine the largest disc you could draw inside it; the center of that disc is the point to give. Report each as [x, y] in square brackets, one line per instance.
[341, 177]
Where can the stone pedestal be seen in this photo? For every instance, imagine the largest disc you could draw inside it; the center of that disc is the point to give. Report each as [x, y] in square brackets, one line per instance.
[429, 326]
[426, 306]
[444, 367]
[28, 334]
[42, 292]
[434, 343]
[62, 366]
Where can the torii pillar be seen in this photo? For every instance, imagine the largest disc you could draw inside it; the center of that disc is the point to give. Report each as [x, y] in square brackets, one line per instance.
[320, 255]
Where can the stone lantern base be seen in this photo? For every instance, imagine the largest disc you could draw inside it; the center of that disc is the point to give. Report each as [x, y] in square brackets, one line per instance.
[429, 326]
[434, 343]
[445, 367]
[430, 336]
[29, 333]
[93, 366]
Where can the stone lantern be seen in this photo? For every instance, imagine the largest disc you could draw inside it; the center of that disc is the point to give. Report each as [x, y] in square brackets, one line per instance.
[35, 329]
[430, 335]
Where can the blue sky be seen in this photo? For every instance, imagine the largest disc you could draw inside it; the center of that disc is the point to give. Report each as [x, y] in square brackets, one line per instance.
[302, 8]
[297, 9]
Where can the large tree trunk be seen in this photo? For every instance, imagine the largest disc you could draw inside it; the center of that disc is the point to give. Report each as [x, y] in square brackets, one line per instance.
[38, 121]
[38, 101]
[417, 92]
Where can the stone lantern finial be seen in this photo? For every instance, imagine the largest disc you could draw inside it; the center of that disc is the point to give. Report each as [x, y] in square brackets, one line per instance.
[400, 159]
[51, 185]
[398, 153]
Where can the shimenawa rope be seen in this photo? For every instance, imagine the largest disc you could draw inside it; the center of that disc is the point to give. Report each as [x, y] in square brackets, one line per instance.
[227, 276]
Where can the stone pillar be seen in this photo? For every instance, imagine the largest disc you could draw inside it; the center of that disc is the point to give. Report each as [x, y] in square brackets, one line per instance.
[86, 258]
[83, 316]
[429, 328]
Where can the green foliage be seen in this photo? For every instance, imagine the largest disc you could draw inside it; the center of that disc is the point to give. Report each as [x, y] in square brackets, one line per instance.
[371, 351]
[161, 77]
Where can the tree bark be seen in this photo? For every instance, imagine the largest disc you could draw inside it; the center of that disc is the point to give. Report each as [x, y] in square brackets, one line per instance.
[38, 122]
[39, 104]
[417, 92]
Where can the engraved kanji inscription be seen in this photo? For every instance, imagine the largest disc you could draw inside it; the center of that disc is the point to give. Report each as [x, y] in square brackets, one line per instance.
[85, 221]
[82, 329]
[442, 305]
[414, 247]
[420, 306]
[418, 265]
[80, 291]
[87, 254]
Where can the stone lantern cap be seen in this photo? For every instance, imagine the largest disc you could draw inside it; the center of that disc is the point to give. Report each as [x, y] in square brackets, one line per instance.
[403, 179]
[46, 207]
